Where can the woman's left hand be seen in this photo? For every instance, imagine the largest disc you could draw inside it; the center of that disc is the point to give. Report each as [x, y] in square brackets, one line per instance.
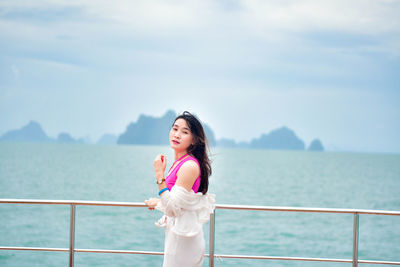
[152, 203]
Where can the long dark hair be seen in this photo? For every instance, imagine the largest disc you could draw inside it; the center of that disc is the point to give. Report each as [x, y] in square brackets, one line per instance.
[199, 148]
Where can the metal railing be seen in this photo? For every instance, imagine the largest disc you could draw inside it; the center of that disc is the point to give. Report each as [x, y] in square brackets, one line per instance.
[211, 255]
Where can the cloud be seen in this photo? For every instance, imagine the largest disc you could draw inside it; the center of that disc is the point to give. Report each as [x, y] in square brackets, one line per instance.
[246, 54]
[250, 37]
[361, 16]
[223, 24]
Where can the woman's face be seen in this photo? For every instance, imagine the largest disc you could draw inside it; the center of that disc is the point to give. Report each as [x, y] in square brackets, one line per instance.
[180, 136]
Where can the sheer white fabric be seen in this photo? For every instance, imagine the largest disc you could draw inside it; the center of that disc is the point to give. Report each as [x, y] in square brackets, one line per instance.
[184, 215]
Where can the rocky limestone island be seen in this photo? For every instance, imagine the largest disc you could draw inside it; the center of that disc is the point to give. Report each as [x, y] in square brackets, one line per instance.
[148, 130]
[66, 138]
[32, 132]
[316, 145]
[282, 138]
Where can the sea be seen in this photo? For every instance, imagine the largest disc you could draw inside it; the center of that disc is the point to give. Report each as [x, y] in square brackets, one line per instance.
[240, 177]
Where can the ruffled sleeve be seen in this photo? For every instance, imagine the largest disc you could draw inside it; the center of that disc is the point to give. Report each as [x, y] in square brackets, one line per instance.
[185, 212]
[169, 204]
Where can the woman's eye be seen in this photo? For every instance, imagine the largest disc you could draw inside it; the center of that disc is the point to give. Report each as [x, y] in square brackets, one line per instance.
[185, 132]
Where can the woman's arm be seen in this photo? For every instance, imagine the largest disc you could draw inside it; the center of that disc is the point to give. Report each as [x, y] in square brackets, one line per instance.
[188, 174]
[160, 164]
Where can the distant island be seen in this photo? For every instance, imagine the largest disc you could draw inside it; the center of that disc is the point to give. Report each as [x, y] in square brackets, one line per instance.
[66, 138]
[33, 133]
[107, 139]
[316, 145]
[282, 139]
[148, 130]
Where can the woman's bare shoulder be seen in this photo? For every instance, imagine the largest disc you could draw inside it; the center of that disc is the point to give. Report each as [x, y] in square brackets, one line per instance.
[189, 167]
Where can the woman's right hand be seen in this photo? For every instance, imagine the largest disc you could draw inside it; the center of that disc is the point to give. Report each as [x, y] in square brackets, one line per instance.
[160, 163]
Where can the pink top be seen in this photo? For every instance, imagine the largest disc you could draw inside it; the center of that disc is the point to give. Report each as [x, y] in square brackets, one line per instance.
[171, 178]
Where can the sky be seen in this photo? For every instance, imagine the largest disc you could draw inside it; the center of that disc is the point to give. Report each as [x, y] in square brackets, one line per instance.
[327, 69]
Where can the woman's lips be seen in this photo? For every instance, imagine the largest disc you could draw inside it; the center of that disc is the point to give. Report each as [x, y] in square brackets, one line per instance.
[175, 142]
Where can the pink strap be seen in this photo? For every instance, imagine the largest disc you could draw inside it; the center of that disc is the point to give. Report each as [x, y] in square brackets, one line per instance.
[180, 164]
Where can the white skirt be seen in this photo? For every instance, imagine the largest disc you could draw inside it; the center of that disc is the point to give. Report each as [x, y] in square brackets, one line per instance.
[183, 251]
[184, 215]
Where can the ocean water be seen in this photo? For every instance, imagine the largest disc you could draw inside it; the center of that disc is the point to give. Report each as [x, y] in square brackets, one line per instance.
[247, 177]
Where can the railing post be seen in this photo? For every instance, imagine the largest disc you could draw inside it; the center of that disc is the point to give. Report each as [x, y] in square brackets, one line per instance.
[355, 240]
[212, 240]
[72, 237]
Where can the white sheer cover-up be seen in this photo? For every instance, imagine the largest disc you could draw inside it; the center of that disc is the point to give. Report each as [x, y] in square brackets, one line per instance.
[184, 215]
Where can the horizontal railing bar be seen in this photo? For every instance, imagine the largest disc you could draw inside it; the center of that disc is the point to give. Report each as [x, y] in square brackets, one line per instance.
[206, 255]
[119, 251]
[35, 249]
[280, 258]
[124, 251]
[74, 202]
[380, 262]
[217, 206]
[303, 259]
[84, 250]
[299, 209]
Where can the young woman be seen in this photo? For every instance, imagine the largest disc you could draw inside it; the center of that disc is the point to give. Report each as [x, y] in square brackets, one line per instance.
[183, 193]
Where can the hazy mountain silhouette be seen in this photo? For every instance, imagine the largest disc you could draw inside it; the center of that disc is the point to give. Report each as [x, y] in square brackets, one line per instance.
[107, 139]
[66, 138]
[316, 145]
[32, 132]
[282, 138]
[225, 142]
[150, 130]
